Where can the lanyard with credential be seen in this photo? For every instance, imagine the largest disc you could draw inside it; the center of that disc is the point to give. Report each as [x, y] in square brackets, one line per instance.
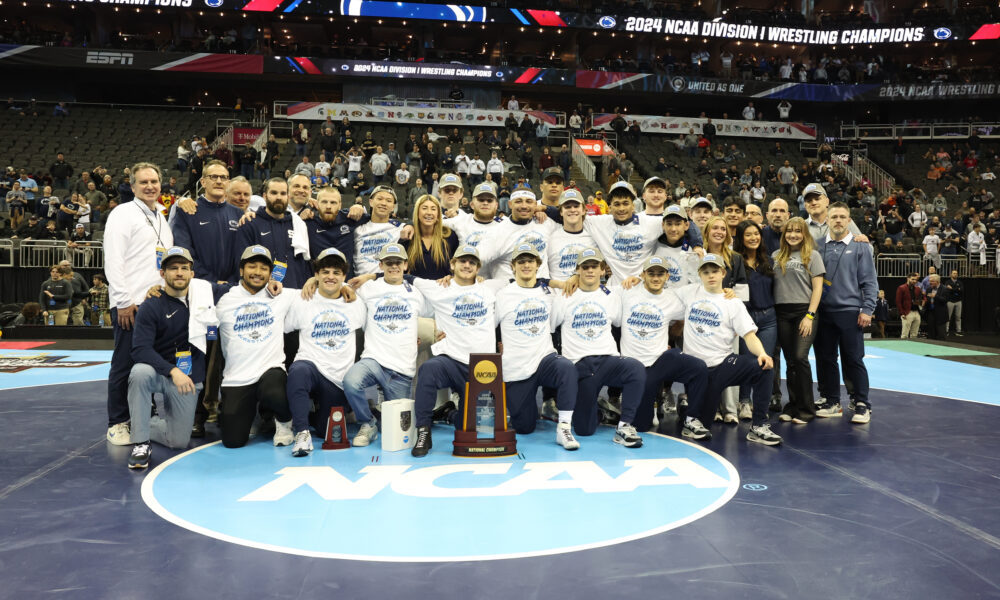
[160, 248]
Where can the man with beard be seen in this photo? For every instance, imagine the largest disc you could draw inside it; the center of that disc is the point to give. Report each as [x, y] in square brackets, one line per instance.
[135, 238]
[332, 227]
[252, 327]
[472, 228]
[169, 352]
[283, 234]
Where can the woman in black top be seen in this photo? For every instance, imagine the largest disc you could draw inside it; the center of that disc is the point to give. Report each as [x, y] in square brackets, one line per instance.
[749, 243]
[433, 244]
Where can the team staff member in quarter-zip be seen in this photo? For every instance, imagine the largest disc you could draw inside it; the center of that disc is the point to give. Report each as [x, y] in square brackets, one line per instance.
[169, 352]
[208, 228]
[283, 234]
[135, 237]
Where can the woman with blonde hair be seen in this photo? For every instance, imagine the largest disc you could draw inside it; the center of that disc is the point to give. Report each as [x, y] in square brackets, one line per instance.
[429, 252]
[798, 286]
[718, 241]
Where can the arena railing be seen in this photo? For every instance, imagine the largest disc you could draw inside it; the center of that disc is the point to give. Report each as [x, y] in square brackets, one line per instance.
[420, 102]
[45, 253]
[919, 131]
[901, 265]
[6, 253]
[861, 167]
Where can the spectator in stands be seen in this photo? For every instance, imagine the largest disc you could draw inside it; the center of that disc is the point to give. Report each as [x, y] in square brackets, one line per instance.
[881, 314]
[60, 171]
[784, 107]
[56, 295]
[379, 164]
[917, 220]
[401, 178]
[224, 154]
[16, 200]
[576, 123]
[30, 229]
[513, 104]
[51, 232]
[447, 160]
[429, 160]
[31, 314]
[60, 110]
[28, 186]
[542, 133]
[301, 137]
[749, 112]
[416, 192]
[305, 168]
[691, 143]
[932, 246]
[495, 167]
[909, 299]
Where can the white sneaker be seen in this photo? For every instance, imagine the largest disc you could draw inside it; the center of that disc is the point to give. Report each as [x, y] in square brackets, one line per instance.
[745, 411]
[120, 434]
[367, 434]
[283, 434]
[564, 437]
[762, 434]
[730, 418]
[303, 443]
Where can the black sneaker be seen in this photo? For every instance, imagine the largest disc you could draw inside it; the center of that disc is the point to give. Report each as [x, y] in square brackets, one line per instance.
[775, 405]
[198, 430]
[423, 442]
[442, 414]
[139, 459]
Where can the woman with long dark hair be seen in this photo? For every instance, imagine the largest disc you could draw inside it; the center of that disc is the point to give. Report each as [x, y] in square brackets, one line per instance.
[749, 244]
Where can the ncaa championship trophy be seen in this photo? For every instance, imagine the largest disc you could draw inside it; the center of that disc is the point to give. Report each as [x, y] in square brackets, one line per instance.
[336, 430]
[482, 424]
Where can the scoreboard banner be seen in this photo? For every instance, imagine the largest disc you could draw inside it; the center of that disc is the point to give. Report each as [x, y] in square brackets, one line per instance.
[875, 34]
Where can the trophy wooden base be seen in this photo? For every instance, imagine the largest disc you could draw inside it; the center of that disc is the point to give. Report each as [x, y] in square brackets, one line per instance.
[467, 443]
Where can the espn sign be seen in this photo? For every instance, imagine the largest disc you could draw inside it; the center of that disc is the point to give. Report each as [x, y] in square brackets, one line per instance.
[109, 58]
[593, 147]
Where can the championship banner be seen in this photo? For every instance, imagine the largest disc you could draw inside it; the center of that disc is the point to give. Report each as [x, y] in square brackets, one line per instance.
[723, 127]
[471, 117]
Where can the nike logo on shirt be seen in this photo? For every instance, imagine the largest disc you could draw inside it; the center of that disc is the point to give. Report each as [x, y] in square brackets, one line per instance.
[204, 222]
[263, 233]
[320, 231]
[172, 314]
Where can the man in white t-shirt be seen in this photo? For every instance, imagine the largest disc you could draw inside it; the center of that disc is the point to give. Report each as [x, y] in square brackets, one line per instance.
[566, 244]
[712, 323]
[932, 246]
[382, 229]
[749, 112]
[389, 359]
[472, 228]
[326, 325]
[586, 319]
[252, 328]
[322, 167]
[465, 315]
[679, 258]
[513, 104]
[521, 228]
[524, 310]
[646, 314]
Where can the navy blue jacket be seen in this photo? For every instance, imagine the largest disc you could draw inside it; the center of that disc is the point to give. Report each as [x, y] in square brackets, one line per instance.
[772, 239]
[276, 236]
[161, 330]
[339, 234]
[210, 235]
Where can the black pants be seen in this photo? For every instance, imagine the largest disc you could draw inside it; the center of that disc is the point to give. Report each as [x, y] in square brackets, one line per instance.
[121, 366]
[213, 377]
[801, 403]
[239, 406]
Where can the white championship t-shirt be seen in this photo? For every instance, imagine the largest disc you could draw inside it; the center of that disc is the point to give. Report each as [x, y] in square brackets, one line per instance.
[525, 316]
[368, 242]
[586, 319]
[391, 324]
[465, 313]
[646, 321]
[712, 323]
[252, 328]
[326, 329]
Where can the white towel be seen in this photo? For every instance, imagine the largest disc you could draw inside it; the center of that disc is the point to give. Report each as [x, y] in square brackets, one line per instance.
[201, 309]
[300, 237]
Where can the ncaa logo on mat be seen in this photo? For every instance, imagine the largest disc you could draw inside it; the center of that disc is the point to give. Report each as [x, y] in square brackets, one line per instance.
[346, 504]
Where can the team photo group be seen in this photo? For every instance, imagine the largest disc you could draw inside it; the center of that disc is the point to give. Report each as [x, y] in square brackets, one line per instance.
[263, 309]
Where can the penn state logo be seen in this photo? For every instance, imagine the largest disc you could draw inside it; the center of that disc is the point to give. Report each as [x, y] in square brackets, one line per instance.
[368, 497]
[214, 3]
[345, 229]
[678, 84]
[942, 33]
[607, 22]
[345, 67]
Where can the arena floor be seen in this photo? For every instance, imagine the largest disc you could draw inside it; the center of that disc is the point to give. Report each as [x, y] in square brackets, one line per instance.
[904, 507]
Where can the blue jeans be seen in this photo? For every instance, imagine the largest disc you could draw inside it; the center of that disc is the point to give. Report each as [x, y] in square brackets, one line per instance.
[366, 373]
[839, 330]
[767, 332]
[172, 425]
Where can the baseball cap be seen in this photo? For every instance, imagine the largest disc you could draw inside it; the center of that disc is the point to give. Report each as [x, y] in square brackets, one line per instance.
[331, 253]
[467, 251]
[522, 193]
[703, 200]
[622, 185]
[392, 251]
[570, 196]
[175, 253]
[383, 188]
[651, 180]
[675, 210]
[256, 251]
[813, 188]
[588, 254]
[450, 179]
[712, 259]
[523, 249]
[484, 188]
[552, 172]
[654, 261]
